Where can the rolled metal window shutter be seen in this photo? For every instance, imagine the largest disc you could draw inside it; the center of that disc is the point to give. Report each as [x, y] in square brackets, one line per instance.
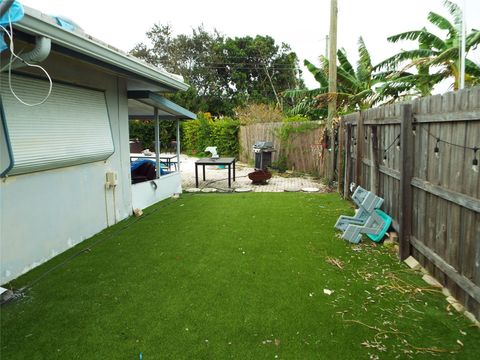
[72, 127]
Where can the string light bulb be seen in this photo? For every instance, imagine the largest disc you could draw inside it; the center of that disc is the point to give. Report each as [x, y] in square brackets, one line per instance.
[398, 144]
[475, 160]
[385, 157]
[414, 129]
[437, 150]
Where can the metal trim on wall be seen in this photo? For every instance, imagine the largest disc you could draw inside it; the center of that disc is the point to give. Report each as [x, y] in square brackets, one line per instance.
[7, 140]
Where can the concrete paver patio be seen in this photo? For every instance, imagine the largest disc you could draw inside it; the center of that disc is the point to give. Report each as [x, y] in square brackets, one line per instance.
[217, 178]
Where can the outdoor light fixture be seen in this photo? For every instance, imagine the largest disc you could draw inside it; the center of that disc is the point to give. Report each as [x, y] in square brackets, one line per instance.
[436, 150]
[475, 160]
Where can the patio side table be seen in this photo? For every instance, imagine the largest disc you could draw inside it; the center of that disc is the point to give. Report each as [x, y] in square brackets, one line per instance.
[229, 162]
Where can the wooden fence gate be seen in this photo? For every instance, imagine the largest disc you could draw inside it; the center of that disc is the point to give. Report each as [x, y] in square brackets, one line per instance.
[420, 157]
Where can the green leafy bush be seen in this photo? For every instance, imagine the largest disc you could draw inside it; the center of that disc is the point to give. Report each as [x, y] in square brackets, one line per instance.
[225, 136]
[145, 132]
[196, 134]
[205, 131]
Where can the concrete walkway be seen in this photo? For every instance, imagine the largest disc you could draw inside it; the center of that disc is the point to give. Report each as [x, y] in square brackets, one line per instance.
[217, 178]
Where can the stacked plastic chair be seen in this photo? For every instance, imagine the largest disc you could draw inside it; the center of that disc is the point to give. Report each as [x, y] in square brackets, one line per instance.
[368, 219]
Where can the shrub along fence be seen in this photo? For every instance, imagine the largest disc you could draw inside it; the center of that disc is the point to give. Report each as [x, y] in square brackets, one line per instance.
[203, 132]
[299, 146]
[144, 131]
[420, 157]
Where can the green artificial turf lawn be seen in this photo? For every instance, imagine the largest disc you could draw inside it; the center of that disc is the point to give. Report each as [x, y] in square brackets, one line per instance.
[242, 276]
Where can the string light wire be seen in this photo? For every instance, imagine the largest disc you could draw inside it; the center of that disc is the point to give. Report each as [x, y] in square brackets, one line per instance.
[448, 142]
[12, 56]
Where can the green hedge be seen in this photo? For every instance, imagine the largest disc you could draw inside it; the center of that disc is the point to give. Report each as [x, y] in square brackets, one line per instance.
[205, 131]
[145, 132]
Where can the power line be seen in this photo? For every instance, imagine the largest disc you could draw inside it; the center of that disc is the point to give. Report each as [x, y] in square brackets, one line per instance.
[262, 59]
[242, 67]
[202, 61]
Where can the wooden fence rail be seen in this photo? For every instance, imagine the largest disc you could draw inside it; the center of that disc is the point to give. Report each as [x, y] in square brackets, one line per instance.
[418, 156]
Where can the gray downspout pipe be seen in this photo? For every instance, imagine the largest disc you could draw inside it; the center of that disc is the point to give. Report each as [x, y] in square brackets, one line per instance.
[42, 48]
[5, 6]
[41, 51]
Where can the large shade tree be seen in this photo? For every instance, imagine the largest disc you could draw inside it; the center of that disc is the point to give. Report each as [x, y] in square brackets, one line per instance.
[224, 73]
[436, 58]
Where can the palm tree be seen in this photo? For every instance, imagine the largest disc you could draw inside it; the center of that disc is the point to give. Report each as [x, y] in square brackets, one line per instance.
[359, 88]
[306, 101]
[436, 59]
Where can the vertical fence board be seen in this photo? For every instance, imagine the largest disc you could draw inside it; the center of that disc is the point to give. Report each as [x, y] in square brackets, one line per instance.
[348, 164]
[341, 157]
[406, 172]
[373, 160]
[359, 148]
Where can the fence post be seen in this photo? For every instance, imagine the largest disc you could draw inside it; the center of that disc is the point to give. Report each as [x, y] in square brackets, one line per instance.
[406, 173]
[374, 184]
[359, 147]
[340, 156]
[348, 165]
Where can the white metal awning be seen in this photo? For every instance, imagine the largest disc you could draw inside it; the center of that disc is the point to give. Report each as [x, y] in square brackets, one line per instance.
[141, 103]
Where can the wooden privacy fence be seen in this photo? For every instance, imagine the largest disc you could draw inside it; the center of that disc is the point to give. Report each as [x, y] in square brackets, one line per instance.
[419, 157]
[304, 150]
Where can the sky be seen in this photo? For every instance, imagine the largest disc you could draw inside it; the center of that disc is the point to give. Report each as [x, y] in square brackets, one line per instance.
[303, 24]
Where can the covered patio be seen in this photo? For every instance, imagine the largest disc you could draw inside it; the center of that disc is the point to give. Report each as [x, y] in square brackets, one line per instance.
[161, 178]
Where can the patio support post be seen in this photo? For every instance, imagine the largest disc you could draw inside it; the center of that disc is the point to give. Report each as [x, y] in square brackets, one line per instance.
[157, 141]
[178, 145]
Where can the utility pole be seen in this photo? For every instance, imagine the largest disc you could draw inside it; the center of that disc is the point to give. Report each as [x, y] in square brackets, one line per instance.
[327, 39]
[332, 85]
[462, 49]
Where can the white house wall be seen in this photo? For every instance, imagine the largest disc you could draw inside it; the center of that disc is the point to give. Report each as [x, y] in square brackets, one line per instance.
[44, 213]
[145, 194]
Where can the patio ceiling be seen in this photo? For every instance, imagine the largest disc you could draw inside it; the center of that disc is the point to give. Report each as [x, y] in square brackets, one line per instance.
[141, 106]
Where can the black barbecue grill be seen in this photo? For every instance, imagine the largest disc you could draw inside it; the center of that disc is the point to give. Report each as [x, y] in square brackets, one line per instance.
[263, 159]
[263, 154]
